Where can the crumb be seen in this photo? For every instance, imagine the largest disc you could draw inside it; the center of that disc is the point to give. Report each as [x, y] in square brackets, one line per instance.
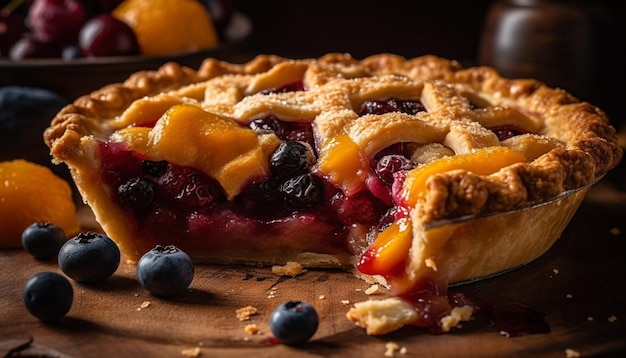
[391, 348]
[556, 271]
[570, 353]
[345, 302]
[144, 304]
[457, 315]
[615, 231]
[590, 319]
[372, 289]
[244, 313]
[272, 294]
[569, 295]
[357, 289]
[429, 262]
[191, 352]
[251, 329]
[403, 351]
[612, 319]
[321, 297]
[291, 268]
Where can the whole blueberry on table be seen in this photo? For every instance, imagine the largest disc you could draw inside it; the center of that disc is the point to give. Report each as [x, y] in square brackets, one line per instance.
[294, 322]
[43, 239]
[165, 270]
[48, 296]
[89, 257]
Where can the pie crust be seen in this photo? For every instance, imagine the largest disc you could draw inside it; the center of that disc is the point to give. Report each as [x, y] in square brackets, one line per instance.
[474, 205]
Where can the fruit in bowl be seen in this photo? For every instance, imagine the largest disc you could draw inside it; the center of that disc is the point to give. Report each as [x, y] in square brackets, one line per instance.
[71, 29]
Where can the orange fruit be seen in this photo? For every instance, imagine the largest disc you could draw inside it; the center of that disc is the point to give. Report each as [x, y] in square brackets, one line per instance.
[165, 27]
[32, 193]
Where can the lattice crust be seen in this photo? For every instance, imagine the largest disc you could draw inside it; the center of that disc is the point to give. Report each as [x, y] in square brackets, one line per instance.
[571, 142]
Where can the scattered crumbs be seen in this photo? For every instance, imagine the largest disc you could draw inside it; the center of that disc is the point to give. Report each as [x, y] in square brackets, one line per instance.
[612, 319]
[251, 329]
[291, 268]
[615, 231]
[144, 305]
[429, 262]
[272, 294]
[590, 319]
[569, 295]
[345, 302]
[244, 313]
[391, 348]
[372, 289]
[456, 316]
[321, 297]
[570, 353]
[191, 352]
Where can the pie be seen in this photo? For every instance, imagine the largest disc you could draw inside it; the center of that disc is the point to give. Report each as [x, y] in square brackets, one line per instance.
[416, 173]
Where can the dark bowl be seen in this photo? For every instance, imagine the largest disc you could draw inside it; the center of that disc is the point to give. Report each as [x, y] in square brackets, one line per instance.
[74, 78]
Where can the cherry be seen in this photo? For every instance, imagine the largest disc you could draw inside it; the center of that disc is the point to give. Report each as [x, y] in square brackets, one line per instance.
[390, 164]
[391, 105]
[361, 207]
[12, 28]
[105, 35]
[30, 47]
[56, 20]
[289, 87]
[507, 131]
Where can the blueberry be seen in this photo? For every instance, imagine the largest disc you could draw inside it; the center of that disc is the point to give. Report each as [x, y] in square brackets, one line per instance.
[136, 194]
[303, 191]
[89, 257]
[268, 125]
[48, 296]
[165, 271]
[294, 322]
[291, 158]
[43, 240]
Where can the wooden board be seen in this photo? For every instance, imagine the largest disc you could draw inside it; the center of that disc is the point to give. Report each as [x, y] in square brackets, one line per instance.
[580, 284]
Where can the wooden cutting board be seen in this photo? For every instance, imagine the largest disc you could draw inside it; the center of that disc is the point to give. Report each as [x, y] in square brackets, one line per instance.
[580, 284]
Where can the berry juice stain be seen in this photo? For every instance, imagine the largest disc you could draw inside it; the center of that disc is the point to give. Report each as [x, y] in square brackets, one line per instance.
[511, 318]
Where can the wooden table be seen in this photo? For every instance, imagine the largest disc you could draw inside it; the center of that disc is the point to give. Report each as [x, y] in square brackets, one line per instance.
[580, 284]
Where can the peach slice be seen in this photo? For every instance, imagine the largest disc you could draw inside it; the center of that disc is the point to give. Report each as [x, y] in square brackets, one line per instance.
[389, 250]
[342, 163]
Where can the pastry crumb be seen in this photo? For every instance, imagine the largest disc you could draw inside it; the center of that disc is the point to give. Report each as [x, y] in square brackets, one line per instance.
[570, 353]
[590, 319]
[429, 262]
[612, 319]
[272, 294]
[191, 352]
[291, 268]
[345, 302]
[615, 231]
[372, 289]
[244, 313]
[144, 305]
[391, 348]
[569, 295]
[556, 271]
[321, 297]
[457, 315]
[251, 329]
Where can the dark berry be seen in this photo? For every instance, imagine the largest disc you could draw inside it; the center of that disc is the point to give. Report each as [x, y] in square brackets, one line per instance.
[12, 28]
[154, 168]
[507, 131]
[190, 186]
[136, 194]
[43, 240]
[261, 198]
[291, 158]
[57, 21]
[268, 125]
[48, 296]
[294, 322]
[30, 47]
[289, 87]
[89, 257]
[105, 35]
[391, 105]
[303, 191]
[390, 164]
[165, 271]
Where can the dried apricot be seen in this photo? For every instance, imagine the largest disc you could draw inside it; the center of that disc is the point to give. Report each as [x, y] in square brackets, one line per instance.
[166, 27]
[31, 193]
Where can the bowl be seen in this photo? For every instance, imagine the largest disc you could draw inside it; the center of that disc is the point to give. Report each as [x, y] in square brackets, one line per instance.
[74, 78]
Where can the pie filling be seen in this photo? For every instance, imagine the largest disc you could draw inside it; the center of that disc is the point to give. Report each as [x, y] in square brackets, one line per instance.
[262, 169]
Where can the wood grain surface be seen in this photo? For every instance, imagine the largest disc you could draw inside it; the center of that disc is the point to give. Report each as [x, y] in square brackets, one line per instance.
[580, 284]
